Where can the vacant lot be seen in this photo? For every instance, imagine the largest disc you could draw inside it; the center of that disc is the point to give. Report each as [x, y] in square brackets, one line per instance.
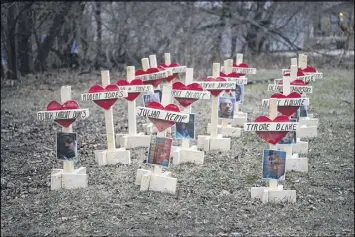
[212, 199]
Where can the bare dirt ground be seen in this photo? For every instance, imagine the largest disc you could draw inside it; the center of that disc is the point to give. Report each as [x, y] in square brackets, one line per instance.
[212, 199]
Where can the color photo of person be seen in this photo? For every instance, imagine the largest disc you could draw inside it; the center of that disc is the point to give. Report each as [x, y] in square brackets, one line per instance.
[290, 137]
[274, 164]
[239, 94]
[159, 151]
[303, 111]
[67, 146]
[226, 107]
[147, 98]
[294, 117]
[186, 130]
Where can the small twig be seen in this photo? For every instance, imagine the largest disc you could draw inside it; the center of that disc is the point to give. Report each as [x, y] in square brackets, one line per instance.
[347, 102]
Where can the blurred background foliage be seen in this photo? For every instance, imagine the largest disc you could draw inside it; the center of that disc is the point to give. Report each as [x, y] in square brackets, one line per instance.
[84, 37]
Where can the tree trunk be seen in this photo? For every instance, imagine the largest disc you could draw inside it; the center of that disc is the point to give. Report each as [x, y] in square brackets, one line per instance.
[45, 48]
[217, 46]
[11, 44]
[98, 34]
[24, 43]
[256, 37]
[2, 71]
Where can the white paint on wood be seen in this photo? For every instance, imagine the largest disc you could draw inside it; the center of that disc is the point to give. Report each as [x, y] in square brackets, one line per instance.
[145, 64]
[270, 126]
[293, 88]
[239, 58]
[287, 102]
[110, 131]
[153, 61]
[65, 95]
[104, 95]
[302, 61]
[167, 59]
[163, 114]
[243, 70]
[272, 116]
[63, 114]
[293, 61]
[132, 119]
[185, 144]
[189, 94]
[213, 85]
[214, 106]
[136, 88]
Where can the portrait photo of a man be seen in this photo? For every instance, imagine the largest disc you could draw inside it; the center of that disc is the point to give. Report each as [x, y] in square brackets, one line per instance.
[274, 164]
[226, 107]
[156, 96]
[290, 137]
[186, 130]
[67, 146]
[239, 94]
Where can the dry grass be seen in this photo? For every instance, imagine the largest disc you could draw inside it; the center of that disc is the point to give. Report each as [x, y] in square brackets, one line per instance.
[212, 199]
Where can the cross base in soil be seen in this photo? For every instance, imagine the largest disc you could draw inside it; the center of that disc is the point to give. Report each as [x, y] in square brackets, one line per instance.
[188, 155]
[76, 179]
[120, 155]
[268, 194]
[207, 143]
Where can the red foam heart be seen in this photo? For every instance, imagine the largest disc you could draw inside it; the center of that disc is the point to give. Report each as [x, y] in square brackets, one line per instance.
[294, 83]
[216, 92]
[154, 83]
[299, 73]
[105, 104]
[135, 82]
[233, 74]
[68, 105]
[287, 110]
[192, 87]
[243, 65]
[160, 124]
[309, 69]
[172, 77]
[272, 137]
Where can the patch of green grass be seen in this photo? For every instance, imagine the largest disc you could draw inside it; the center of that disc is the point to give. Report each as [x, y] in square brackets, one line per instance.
[212, 199]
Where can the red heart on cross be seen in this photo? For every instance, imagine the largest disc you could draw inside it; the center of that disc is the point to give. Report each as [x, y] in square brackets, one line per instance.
[287, 110]
[272, 137]
[299, 73]
[192, 87]
[68, 105]
[172, 77]
[215, 92]
[233, 74]
[309, 69]
[243, 65]
[152, 70]
[160, 124]
[105, 104]
[294, 83]
[135, 82]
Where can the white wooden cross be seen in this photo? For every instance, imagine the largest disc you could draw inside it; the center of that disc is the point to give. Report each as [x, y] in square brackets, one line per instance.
[166, 90]
[65, 95]
[214, 104]
[68, 177]
[110, 131]
[132, 119]
[111, 155]
[273, 183]
[286, 88]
